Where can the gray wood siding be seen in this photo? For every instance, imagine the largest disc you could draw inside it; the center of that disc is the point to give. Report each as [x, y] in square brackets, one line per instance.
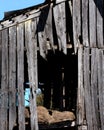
[46, 28]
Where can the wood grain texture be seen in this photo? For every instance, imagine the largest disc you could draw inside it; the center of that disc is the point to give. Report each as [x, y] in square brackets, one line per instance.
[94, 90]
[4, 81]
[20, 76]
[31, 46]
[87, 89]
[92, 23]
[100, 23]
[100, 56]
[76, 23]
[60, 24]
[12, 77]
[85, 23]
[80, 94]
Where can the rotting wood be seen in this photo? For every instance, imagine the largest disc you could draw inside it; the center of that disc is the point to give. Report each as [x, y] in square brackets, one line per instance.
[85, 23]
[60, 24]
[31, 43]
[44, 30]
[95, 27]
[19, 19]
[41, 21]
[20, 76]
[92, 23]
[80, 94]
[4, 82]
[49, 29]
[12, 77]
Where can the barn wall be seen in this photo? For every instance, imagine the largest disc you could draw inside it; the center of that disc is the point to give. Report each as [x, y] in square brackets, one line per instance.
[60, 25]
[88, 25]
[90, 89]
[88, 36]
[29, 33]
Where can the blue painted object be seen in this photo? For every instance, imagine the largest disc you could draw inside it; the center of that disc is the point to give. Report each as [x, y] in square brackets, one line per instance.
[27, 96]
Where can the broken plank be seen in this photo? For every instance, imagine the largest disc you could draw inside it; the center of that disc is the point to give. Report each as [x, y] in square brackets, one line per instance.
[60, 24]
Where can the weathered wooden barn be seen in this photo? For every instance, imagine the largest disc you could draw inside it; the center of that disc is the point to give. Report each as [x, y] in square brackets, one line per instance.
[59, 44]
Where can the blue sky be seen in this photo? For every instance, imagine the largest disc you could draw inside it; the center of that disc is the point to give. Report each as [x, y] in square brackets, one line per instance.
[9, 5]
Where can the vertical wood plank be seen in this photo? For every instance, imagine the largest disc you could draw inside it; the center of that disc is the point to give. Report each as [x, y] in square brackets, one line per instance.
[100, 26]
[4, 82]
[76, 23]
[85, 23]
[92, 23]
[0, 55]
[80, 94]
[87, 91]
[60, 24]
[31, 46]
[42, 38]
[94, 92]
[49, 29]
[20, 77]
[12, 77]
[100, 55]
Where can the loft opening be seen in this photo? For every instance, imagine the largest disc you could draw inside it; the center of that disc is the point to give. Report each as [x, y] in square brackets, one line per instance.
[57, 77]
